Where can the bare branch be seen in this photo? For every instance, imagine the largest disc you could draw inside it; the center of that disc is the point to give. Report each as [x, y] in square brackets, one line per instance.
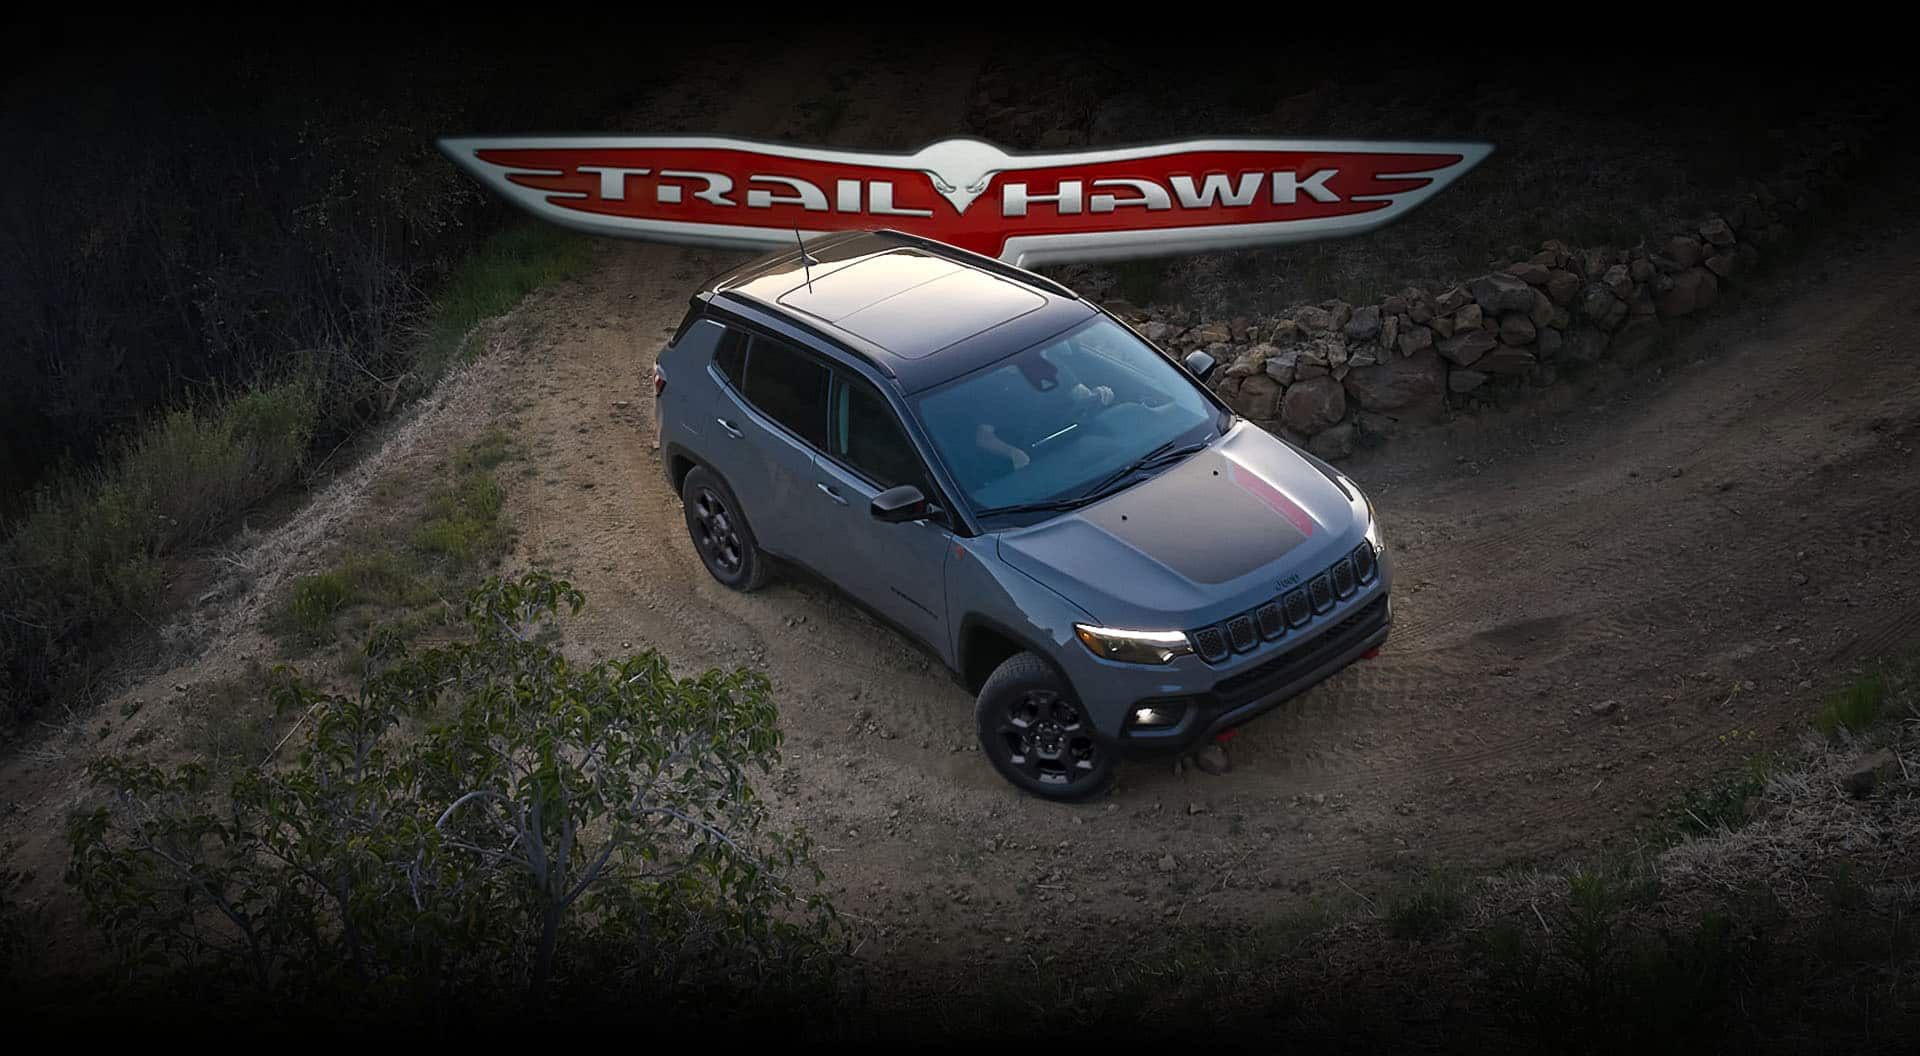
[478, 793]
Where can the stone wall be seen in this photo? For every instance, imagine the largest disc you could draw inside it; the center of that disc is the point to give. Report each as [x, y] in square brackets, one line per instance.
[1332, 374]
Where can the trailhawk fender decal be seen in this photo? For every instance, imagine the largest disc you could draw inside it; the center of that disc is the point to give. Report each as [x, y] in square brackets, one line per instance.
[1026, 209]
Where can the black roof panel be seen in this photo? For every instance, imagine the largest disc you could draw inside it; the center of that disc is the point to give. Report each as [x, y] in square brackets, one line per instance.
[898, 300]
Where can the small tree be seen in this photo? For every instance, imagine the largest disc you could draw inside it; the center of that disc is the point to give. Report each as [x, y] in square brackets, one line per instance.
[477, 818]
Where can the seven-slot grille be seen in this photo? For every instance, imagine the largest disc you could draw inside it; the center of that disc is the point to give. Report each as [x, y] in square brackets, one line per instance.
[1294, 609]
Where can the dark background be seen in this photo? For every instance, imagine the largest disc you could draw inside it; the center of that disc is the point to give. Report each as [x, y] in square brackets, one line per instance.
[192, 205]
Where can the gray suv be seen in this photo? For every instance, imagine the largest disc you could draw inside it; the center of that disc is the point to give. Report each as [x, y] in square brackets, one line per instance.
[1089, 539]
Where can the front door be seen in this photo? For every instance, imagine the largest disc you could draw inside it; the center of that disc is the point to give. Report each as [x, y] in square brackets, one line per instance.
[898, 569]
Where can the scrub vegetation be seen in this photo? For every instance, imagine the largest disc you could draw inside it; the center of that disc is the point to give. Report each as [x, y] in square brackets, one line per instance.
[1788, 928]
[438, 536]
[92, 550]
[480, 826]
[178, 352]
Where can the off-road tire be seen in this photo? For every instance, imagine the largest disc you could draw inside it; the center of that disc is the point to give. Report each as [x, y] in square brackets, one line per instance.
[1035, 732]
[720, 532]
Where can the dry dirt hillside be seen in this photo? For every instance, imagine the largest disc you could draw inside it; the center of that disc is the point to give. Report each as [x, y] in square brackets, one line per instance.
[1592, 592]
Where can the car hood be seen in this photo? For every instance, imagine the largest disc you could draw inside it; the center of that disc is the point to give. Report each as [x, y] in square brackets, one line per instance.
[1217, 534]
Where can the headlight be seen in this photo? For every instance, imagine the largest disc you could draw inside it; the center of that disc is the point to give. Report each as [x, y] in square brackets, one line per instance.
[1373, 528]
[1134, 647]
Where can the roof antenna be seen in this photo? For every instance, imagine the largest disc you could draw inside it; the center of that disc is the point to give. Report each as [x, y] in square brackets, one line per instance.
[805, 261]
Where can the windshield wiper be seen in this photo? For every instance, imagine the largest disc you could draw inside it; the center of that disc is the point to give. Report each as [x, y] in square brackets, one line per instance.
[1106, 486]
[1050, 506]
[1164, 453]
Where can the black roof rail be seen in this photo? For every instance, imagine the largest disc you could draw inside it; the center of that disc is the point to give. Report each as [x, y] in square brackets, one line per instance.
[981, 261]
[773, 258]
[866, 351]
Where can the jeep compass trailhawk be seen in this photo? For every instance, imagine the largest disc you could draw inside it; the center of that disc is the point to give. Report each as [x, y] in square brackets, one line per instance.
[1096, 546]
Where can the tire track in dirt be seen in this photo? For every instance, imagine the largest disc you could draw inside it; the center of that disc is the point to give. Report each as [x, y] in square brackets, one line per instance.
[1730, 438]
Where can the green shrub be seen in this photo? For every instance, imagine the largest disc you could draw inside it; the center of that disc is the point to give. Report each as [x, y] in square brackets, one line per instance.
[1724, 805]
[460, 532]
[1855, 707]
[511, 264]
[315, 602]
[89, 551]
[552, 828]
[465, 521]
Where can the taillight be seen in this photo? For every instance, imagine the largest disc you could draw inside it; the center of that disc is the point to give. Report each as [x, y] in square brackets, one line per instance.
[659, 380]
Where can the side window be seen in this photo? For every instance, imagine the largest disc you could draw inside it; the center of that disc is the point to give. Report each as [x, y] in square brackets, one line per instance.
[788, 387]
[867, 436]
[730, 359]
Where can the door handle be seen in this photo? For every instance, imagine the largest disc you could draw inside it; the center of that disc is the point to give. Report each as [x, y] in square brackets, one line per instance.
[831, 494]
[732, 430]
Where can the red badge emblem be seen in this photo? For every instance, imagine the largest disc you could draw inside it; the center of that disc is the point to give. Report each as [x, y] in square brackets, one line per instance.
[1026, 209]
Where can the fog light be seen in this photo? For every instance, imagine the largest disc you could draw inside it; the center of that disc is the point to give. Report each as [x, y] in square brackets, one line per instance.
[1157, 716]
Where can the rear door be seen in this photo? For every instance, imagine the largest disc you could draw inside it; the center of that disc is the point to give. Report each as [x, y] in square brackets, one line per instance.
[898, 569]
[770, 419]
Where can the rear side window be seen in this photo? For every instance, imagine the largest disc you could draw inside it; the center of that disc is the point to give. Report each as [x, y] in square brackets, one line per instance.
[789, 387]
[730, 359]
[867, 436]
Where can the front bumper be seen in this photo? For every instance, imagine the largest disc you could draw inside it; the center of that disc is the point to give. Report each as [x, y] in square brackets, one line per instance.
[1237, 700]
[1217, 697]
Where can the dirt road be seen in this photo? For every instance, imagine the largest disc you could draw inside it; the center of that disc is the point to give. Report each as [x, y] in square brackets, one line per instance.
[1593, 596]
[1595, 591]
[1591, 599]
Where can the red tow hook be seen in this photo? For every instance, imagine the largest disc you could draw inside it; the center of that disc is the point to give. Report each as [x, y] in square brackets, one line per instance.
[1371, 653]
[1227, 735]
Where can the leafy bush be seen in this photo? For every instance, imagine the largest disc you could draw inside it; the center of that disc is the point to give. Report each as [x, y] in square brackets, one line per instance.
[483, 824]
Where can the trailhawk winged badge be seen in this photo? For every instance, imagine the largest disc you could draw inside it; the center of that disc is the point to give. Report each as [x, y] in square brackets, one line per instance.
[1026, 209]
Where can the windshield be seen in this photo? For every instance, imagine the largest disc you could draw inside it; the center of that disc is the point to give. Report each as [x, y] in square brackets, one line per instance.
[1050, 422]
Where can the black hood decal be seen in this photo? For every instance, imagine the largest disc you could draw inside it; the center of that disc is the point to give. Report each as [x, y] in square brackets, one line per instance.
[1208, 519]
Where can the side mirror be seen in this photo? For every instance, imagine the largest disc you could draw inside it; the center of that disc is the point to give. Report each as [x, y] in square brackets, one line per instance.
[902, 504]
[1199, 363]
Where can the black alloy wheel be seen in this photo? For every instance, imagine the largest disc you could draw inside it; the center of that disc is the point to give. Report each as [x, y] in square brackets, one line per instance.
[1038, 736]
[720, 531]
